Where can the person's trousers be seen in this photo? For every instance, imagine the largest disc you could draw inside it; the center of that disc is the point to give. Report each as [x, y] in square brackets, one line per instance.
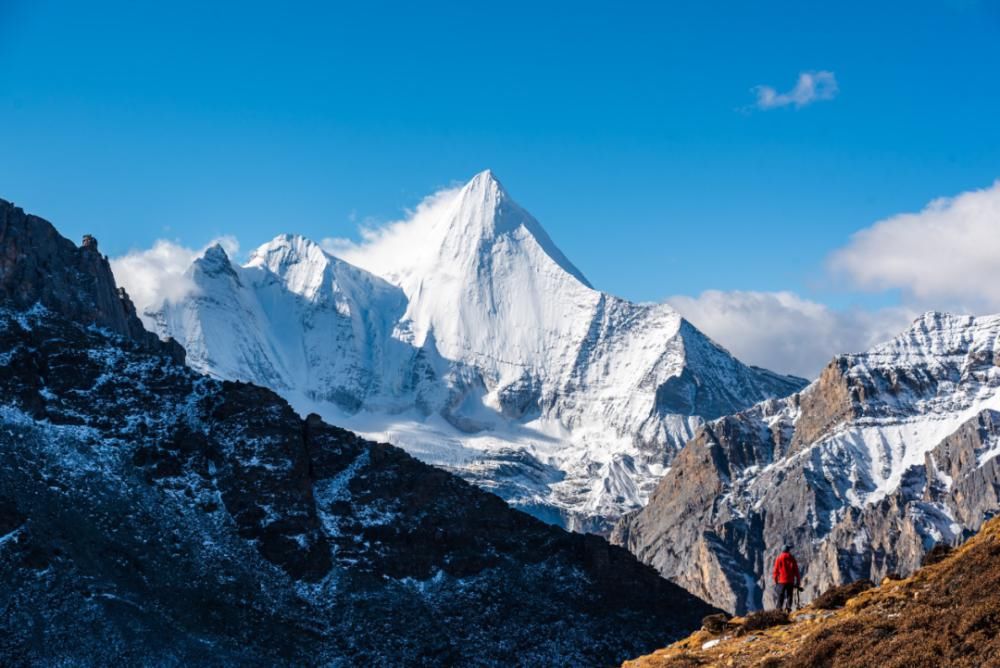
[786, 593]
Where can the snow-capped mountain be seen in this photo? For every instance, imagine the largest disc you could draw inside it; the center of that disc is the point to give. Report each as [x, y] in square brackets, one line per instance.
[151, 515]
[886, 454]
[465, 336]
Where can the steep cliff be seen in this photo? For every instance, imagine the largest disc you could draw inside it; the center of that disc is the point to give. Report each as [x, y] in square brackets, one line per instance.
[39, 266]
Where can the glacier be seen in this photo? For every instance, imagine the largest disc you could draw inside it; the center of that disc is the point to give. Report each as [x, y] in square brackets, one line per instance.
[469, 339]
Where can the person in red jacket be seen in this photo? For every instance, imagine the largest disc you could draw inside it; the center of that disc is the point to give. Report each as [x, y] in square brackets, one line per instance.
[786, 577]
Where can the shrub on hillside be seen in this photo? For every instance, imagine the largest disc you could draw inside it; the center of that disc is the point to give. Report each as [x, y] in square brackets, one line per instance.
[947, 617]
[836, 597]
[715, 623]
[762, 619]
[936, 554]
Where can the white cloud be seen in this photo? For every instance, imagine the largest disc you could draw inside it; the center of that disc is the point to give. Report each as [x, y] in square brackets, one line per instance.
[384, 249]
[157, 274]
[786, 333]
[811, 87]
[946, 257]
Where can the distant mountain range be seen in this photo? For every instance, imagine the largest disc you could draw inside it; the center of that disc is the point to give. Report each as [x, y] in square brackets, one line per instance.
[466, 337]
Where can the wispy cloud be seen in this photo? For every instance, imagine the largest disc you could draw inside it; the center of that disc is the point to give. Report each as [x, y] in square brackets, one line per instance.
[385, 247]
[811, 87]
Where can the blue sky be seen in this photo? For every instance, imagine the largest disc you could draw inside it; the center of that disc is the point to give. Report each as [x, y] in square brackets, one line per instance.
[628, 129]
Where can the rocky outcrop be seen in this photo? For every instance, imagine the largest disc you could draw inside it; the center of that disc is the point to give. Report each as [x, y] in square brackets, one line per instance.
[153, 516]
[691, 538]
[831, 401]
[40, 266]
[888, 453]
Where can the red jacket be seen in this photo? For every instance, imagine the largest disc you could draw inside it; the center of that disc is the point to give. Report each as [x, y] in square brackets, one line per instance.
[786, 570]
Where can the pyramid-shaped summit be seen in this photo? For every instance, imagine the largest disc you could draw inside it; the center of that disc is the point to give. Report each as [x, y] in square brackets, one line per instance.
[483, 210]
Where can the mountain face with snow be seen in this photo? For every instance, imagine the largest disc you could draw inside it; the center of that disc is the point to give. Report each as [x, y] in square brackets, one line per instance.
[152, 515]
[885, 455]
[465, 336]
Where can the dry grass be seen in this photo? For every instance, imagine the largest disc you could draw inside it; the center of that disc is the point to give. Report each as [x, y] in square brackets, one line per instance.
[947, 614]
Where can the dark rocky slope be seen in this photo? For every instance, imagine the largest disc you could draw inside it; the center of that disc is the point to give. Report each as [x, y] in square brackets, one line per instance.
[149, 515]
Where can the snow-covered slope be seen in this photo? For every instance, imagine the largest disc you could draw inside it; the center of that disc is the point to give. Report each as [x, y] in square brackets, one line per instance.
[913, 392]
[886, 454]
[480, 348]
[293, 319]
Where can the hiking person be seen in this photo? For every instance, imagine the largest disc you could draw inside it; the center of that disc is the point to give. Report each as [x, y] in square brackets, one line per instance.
[786, 577]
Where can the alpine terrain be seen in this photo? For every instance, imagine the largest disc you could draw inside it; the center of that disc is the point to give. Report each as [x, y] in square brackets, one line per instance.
[465, 336]
[887, 454]
[946, 614]
[151, 515]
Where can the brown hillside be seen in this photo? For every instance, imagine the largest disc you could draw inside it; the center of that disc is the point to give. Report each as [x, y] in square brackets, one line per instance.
[946, 614]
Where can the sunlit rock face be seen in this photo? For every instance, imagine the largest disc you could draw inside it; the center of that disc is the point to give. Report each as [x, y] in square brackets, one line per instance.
[886, 454]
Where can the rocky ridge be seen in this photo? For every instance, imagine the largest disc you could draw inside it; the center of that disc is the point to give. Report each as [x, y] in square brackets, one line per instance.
[39, 266]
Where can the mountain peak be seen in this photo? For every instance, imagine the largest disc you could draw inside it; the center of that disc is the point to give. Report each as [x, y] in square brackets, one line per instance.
[305, 267]
[484, 212]
[213, 262]
[937, 326]
[485, 186]
[216, 254]
[935, 336]
[485, 177]
[461, 230]
[484, 205]
[286, 250]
